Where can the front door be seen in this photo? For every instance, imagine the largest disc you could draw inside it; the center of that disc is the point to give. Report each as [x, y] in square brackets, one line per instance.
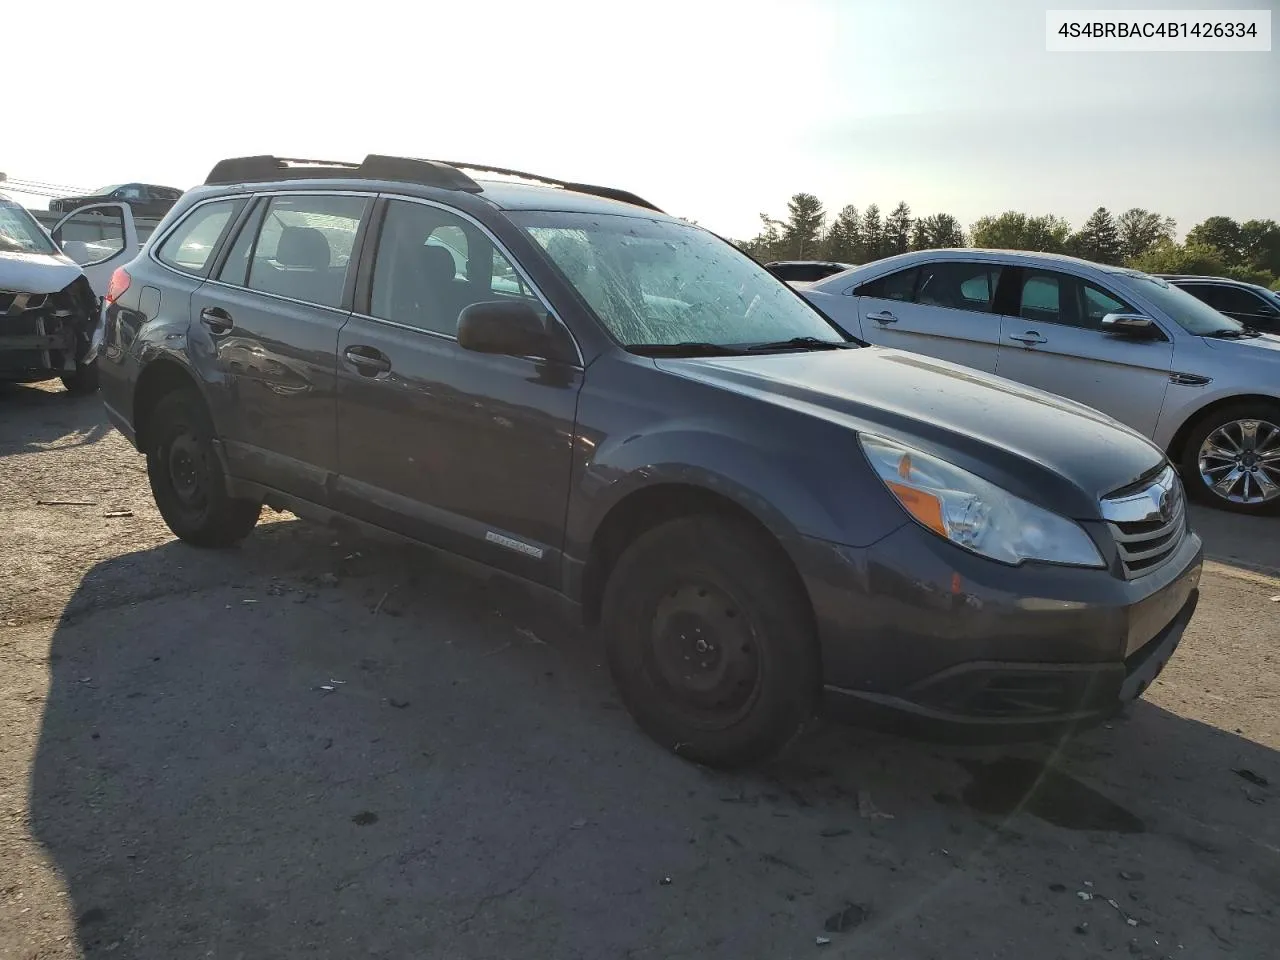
[941, 309]
[264, 332]
[99, 237]
[466, 451]
[1052, 339]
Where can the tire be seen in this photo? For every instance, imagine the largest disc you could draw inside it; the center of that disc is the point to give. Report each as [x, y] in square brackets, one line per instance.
[83, 382]
[708, 587]
[1266, 442]
[186, 476]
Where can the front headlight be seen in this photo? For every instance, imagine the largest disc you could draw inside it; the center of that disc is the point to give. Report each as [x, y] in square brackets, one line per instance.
[975, 514]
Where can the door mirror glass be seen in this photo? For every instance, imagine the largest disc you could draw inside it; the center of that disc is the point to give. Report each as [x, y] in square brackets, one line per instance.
[1132, 324]
[509, 328]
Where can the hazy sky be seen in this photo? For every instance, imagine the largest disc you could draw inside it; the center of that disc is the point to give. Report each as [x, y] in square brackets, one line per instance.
[713, 110]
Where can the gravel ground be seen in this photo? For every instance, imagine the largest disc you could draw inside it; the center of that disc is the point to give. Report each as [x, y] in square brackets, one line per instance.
[307, 747]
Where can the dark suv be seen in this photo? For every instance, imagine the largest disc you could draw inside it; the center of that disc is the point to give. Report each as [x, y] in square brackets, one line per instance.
[564, 384]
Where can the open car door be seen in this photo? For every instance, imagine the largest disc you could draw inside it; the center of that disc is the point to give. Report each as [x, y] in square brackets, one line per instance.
[99, 237]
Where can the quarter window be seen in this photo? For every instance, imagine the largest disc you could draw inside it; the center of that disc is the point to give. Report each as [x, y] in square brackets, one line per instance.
[304, 247]
[895, 286]
[431, 264]
[190, 245]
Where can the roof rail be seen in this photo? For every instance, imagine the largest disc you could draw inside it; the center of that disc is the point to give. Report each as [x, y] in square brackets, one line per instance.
[430, 173]
[609, 193]
[445, 174]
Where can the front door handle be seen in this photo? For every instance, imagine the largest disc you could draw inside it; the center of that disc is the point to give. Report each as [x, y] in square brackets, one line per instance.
[1028, 338]
[884, 316]
[370, 361]
[216, 319]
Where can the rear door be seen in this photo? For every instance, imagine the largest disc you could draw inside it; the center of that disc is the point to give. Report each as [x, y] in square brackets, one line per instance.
[941, 308]
[1052, 339]
[100, 237]
[466, 451]
[264, 334]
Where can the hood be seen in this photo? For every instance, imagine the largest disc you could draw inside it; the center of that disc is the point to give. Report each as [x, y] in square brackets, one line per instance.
[36, 272]
[1042, 447]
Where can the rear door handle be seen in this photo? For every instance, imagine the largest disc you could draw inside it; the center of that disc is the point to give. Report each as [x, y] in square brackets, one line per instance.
[216, 319]
[1028, 338]
[884, 316]
[368, 360]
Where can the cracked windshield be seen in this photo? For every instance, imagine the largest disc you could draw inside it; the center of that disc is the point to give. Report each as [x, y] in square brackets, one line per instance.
[803, 483]
[656, 283]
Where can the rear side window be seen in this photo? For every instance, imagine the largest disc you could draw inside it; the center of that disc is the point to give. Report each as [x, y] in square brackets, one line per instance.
[1227, 299]
[895, 286]
[958, 285]
[190, 245]
[303, 248]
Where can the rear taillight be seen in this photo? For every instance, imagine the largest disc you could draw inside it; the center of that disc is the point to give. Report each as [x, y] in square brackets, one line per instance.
[119, 284]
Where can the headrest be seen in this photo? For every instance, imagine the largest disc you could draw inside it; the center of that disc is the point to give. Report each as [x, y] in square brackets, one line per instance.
[303, 247]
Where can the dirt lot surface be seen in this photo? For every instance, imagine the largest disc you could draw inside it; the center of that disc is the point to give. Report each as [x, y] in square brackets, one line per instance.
[313, 748]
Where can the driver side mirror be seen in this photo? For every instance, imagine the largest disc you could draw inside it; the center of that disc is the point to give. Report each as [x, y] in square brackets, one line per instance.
[1131, 324]
[512, 328]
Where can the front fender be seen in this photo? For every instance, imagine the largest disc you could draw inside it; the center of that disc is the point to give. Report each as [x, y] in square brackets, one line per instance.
[822, 492]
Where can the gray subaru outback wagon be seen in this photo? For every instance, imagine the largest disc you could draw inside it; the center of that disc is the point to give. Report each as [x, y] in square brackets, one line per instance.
[761, 516]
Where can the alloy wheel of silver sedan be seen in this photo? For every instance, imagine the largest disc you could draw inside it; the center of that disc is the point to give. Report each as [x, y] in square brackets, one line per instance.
[1239, 461]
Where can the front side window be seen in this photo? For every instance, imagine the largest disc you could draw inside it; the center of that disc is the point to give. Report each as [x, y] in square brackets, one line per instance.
[19, 231]
[189, 247]
[1050, 297]
[654, 283]
[958, 285]
[304, 246]
[431, 264]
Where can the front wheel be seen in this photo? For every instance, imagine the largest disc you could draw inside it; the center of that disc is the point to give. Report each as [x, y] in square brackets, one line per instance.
[1232, 458]
[186, 476]
[710, 641]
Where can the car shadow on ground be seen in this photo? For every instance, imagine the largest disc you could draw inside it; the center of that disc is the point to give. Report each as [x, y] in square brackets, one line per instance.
[1241, 541]
[309, 746]
[51, 417]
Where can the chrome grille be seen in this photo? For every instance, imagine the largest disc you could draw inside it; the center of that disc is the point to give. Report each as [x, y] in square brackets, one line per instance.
[1148, 522]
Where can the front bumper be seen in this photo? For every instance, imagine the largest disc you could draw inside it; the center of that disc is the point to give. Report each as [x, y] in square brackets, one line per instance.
[926, 639]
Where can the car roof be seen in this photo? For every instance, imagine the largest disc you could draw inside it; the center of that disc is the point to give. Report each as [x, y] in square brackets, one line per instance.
[902, 261]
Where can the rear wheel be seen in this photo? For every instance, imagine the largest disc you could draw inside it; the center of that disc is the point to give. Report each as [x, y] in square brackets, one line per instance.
[83, 381]
[1232, 458]
[710, 641]
[187, 479]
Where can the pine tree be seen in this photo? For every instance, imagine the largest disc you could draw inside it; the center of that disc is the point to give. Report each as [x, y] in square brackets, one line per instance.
[803, 226]
[871, 246]
[897, 230]
[1098, 239]
[939, 231]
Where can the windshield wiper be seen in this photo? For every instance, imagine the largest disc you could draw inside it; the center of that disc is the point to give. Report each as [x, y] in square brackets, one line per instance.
[800, 343]
[688, 348]
[1232, 334]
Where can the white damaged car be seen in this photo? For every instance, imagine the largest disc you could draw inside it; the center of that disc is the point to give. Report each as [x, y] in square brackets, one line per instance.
[51, 288]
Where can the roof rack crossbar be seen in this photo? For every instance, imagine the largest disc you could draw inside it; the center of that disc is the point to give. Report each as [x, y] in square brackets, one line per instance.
[609, 193]
[375, 167]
